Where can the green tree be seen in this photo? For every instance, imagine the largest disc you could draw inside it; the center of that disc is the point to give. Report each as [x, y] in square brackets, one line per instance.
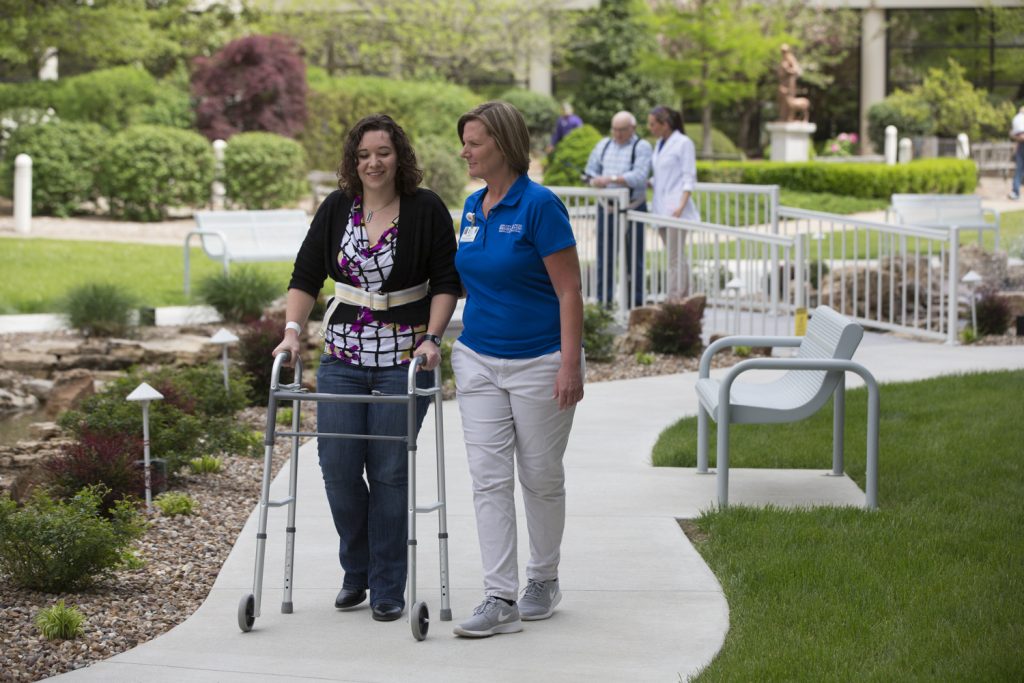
[607, 48]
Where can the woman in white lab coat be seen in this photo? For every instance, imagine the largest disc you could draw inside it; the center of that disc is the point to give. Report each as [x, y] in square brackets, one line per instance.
[674, 179]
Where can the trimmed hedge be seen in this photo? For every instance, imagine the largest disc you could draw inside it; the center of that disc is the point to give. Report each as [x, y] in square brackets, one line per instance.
[945, 176]
[65, 161]
[444, 171]
[566, 163]
[336, 104]
[148, 169]
[264, 171]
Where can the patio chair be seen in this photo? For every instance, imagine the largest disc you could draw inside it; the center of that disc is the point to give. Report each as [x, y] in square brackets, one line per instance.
[813, 375]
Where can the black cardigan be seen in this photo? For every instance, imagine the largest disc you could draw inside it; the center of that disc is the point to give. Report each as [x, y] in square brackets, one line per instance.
[424, 250]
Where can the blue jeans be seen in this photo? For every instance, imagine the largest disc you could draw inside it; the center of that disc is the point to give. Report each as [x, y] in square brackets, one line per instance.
[607, 257]
[1018, 173]
[370, 520]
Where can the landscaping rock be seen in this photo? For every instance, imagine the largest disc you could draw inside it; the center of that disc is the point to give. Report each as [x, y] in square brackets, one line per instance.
[29, 362]
[69, 389]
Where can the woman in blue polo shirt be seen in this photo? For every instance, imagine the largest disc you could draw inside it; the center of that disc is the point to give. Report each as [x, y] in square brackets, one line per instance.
[518, 364]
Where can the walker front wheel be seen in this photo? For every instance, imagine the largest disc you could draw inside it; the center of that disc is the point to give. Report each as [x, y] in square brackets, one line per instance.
[246, 612]
[419, 620]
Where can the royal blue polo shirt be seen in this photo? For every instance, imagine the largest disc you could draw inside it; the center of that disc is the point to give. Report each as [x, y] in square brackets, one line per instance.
[511, 307]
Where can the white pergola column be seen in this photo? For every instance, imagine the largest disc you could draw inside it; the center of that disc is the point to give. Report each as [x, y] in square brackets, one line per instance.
[872, 68]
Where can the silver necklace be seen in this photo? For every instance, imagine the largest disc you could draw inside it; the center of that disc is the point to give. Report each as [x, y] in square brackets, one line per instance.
[370, 214]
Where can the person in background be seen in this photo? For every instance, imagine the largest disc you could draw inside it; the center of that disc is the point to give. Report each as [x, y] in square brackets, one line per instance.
[1017, 135]
[379, 234]
[566, 123]
[622, 160]
[674, 163]
[518, 365]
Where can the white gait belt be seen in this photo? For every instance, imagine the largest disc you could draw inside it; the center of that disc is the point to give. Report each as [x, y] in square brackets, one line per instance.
[375, 301]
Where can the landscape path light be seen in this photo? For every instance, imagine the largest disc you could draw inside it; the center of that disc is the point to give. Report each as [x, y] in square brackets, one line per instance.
[144, 394]
[971, 279]
[224, 338]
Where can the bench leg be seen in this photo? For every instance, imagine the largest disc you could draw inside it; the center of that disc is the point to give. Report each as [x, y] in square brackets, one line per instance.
[722, 458]
[702, 439]
[838, 427]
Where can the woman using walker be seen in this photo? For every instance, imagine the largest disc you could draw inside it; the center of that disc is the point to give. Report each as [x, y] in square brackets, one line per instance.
[379, 234]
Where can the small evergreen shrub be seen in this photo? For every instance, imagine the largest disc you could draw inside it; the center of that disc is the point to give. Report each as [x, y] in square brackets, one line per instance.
[993, 312]
[16, 117]
[106, 96]
[721, 145]
[148, 169]
[256, 83]
[598, 339]
[64, 164]
[240, 295]
[172, 504]
[444, 171]
[100, 459]
[644, 358]
[56, 546]
[99, 310]
[205, 464]
[676, 328]
[60, 622]
[257, 342]
[909, 113]
[540, 111]
[264, 171]
[565, 165]
[284, 416]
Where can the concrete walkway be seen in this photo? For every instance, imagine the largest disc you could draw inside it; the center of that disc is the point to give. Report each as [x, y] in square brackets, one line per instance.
[639, 603]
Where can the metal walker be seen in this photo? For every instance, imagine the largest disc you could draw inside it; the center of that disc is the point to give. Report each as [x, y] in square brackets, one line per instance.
[419, 616]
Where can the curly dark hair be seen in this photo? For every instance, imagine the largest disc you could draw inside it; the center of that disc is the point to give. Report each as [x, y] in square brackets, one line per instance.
[408, 175]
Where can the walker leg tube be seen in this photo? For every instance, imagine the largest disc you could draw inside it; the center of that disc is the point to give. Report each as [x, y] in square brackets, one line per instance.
[261, 532]
[293, 478]
[411, 583]
[838, 424]
[442, 512]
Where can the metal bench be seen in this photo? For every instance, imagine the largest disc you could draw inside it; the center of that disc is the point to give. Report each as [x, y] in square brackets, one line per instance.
[813, 375]
[943, 211]
[248, 236]
[993, 158]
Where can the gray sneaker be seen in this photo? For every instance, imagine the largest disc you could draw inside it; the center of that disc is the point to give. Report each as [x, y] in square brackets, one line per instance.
[539, 599]
[490, 617]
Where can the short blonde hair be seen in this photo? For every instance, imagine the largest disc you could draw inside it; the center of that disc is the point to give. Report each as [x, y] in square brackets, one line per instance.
[507, 126]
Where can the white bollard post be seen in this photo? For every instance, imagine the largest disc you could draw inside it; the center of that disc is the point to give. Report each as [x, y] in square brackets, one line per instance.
[23, 194]
[890, 145]
[217, 189]
[963, 146]
[906, 152]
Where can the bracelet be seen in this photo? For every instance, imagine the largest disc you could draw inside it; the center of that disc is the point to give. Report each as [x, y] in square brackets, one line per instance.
[292, 325]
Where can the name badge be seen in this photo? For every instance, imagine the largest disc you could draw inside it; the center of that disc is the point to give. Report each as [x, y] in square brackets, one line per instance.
[469, 234]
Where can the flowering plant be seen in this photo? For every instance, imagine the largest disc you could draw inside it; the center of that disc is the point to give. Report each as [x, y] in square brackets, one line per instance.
[841, 145]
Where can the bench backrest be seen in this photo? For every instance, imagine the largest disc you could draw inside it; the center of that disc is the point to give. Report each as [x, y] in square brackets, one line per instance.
[253, 235]
[937, 209]
[829, 335]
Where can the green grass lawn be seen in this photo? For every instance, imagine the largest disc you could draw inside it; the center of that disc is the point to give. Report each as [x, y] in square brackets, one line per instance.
[929, 587]
[829, 203]
[38, 272]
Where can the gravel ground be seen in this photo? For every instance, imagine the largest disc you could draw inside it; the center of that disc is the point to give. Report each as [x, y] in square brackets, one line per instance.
[183, 556]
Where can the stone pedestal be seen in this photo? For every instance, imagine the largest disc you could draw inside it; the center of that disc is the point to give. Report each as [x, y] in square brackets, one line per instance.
[791, 140]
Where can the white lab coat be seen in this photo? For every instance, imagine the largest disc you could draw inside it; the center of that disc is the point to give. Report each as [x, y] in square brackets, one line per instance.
[675, 171]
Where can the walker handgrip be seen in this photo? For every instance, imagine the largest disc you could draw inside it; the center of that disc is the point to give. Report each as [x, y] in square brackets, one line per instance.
[280, 359]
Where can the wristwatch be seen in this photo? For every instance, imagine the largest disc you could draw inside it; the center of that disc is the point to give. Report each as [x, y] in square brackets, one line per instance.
[431, 337]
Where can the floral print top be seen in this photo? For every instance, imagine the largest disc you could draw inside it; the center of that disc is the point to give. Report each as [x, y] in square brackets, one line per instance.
[368, 341]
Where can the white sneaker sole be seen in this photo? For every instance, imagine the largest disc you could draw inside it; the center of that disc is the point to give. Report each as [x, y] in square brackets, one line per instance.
[546, 615]
[511, 627]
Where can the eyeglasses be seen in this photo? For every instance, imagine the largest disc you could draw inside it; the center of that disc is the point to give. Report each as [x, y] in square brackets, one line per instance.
[619, 129]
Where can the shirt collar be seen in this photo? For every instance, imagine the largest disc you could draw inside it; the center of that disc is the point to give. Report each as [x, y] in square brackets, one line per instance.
[512, 197]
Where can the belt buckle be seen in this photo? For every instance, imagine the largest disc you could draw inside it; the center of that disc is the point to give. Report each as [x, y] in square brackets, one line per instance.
[386, 298]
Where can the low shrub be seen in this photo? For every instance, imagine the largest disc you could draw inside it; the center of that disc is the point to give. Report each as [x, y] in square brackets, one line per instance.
[721, 145]
[106, 459]
[60, 622]
[64, 164]
[17, 117]
[676, 327]
[56, 546]
[172, 504]
[148, 169]
[540, 111]
[240, 295]
[284, 416]
[443, 171]
[257, 342]
[925, 176]
[205, 464]
[993, 312]
[565, 165]
[99, 310]
[264, 171]
[598, 338]
[106, 96]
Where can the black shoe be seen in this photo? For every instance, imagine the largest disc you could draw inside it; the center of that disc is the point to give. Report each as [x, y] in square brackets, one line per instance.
[386, 612]
[349, 598]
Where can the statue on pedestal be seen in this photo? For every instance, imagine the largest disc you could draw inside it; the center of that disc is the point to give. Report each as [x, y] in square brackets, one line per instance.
[791, 106]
